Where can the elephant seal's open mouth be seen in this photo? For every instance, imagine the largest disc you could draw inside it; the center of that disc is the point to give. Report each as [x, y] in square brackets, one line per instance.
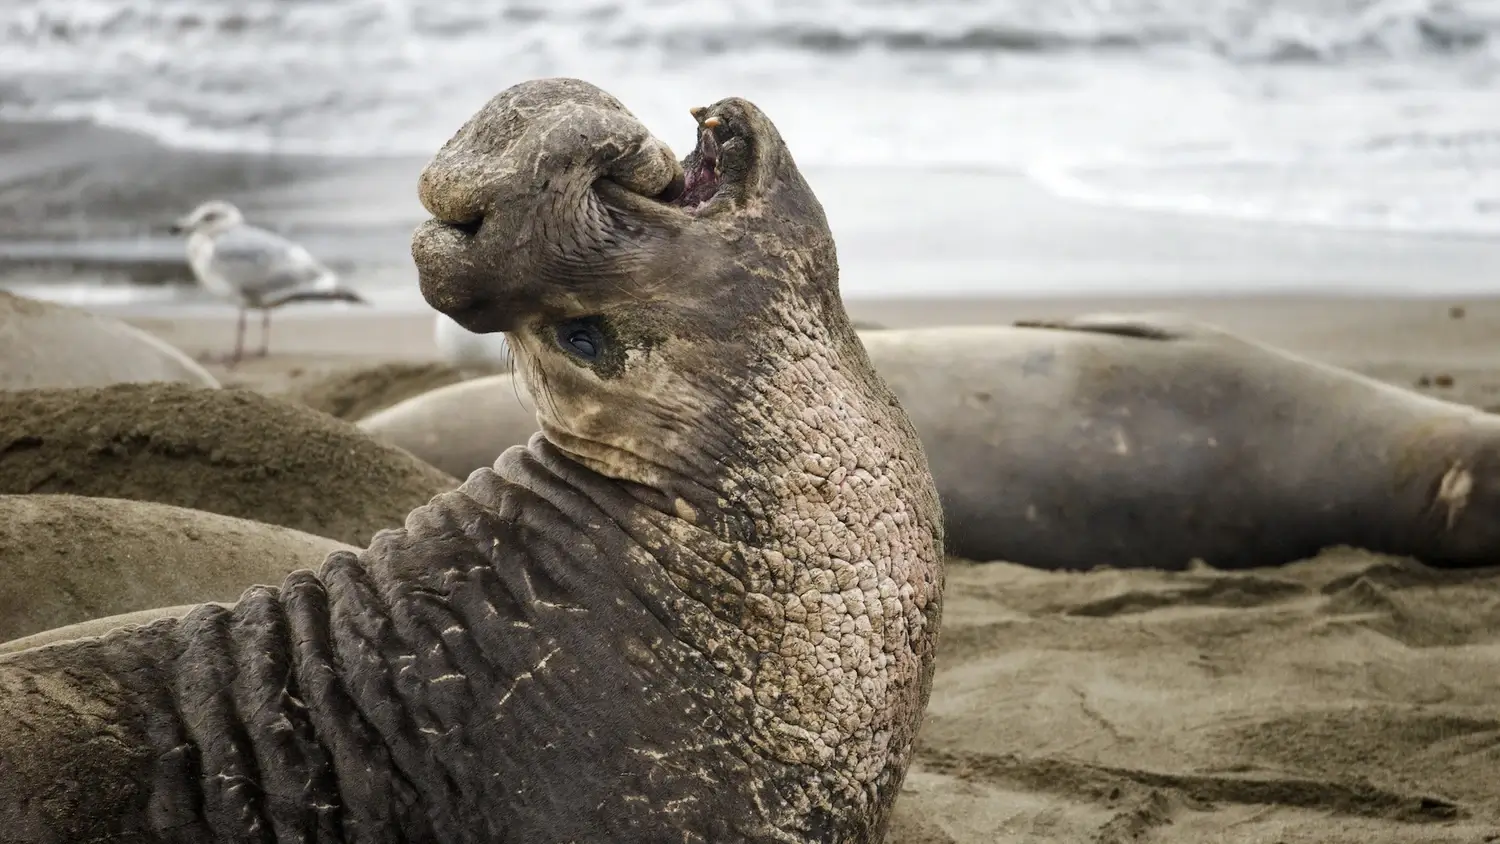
[701, 175]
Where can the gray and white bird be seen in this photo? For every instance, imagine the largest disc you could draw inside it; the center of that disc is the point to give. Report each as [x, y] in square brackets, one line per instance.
[253, 267]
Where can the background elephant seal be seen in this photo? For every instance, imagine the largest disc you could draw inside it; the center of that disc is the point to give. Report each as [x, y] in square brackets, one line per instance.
[65, 559]
[48, 345]
[472, 354]
[460, 427]
[1150, 440]
[230, 451]
[702, 608]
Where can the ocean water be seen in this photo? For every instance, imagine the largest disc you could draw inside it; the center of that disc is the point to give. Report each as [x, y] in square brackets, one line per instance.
[1354, 113]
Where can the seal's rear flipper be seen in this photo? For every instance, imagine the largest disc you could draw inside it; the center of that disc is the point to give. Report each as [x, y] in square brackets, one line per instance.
[1140, 326]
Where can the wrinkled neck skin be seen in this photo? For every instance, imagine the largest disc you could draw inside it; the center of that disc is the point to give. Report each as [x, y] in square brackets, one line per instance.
[750, 495]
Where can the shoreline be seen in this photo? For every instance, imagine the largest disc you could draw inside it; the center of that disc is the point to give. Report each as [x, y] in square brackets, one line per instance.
[87, 207]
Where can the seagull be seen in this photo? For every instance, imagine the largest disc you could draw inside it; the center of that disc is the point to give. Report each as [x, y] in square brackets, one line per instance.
[254, 267]
[464, 350]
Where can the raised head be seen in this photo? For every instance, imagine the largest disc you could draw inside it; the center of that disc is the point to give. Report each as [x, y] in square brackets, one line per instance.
[213, 215]
[640, 295]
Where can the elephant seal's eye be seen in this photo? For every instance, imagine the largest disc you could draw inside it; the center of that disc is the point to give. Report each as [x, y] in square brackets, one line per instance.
[581, 338]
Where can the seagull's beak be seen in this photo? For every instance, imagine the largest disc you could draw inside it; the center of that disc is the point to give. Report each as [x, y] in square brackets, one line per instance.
[179, 227]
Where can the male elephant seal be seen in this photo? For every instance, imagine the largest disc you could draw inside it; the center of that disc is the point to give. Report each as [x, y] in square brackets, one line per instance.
[463, 426]
[66, 558]
[48, 345]
[702, 607]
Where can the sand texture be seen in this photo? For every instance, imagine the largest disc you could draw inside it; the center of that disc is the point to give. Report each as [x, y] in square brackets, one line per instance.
[66, 559]
[1349, 699]
[43, 344]
[231, 451]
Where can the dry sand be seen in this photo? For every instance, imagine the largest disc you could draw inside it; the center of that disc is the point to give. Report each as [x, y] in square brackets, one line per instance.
[1350, 698]
[231, 451]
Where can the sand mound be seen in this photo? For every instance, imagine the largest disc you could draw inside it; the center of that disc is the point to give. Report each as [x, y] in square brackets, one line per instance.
[48, 345]
[66, 559]
[353, 394]
[231, 451]
[1349, 698]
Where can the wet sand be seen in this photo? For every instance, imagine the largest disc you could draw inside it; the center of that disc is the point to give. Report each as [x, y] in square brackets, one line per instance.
[84, 202]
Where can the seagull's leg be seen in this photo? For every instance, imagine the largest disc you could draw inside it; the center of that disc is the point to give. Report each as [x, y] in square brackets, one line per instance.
[265, 332]
[239, 339]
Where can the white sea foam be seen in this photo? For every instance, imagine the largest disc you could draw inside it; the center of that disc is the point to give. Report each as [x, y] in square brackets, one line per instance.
[1342, 112]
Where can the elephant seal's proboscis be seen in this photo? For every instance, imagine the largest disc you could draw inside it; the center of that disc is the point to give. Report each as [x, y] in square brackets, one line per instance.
[703, 608]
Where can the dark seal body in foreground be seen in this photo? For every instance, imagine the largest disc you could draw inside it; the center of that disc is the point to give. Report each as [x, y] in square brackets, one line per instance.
[701, 607]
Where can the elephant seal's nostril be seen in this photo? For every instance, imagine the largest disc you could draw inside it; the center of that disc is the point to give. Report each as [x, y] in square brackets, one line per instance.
[674, 190]
[469, 227]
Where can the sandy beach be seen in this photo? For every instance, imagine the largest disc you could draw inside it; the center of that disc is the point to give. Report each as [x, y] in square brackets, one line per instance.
[1349, 698]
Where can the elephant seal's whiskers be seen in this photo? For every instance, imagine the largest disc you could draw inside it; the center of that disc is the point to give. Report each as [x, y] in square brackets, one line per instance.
[702, 606]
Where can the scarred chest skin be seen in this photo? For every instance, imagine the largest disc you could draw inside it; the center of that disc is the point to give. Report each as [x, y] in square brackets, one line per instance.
[702, 605]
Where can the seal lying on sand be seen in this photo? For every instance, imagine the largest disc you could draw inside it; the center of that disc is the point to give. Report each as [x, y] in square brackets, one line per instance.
[459, 427]
[1141, 440]
[65, 559]
[1132, 441]
[230, 451]
[48, 345]
[702, 609]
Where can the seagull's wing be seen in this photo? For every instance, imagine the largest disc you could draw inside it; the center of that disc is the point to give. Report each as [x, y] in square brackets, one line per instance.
[264, 266]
